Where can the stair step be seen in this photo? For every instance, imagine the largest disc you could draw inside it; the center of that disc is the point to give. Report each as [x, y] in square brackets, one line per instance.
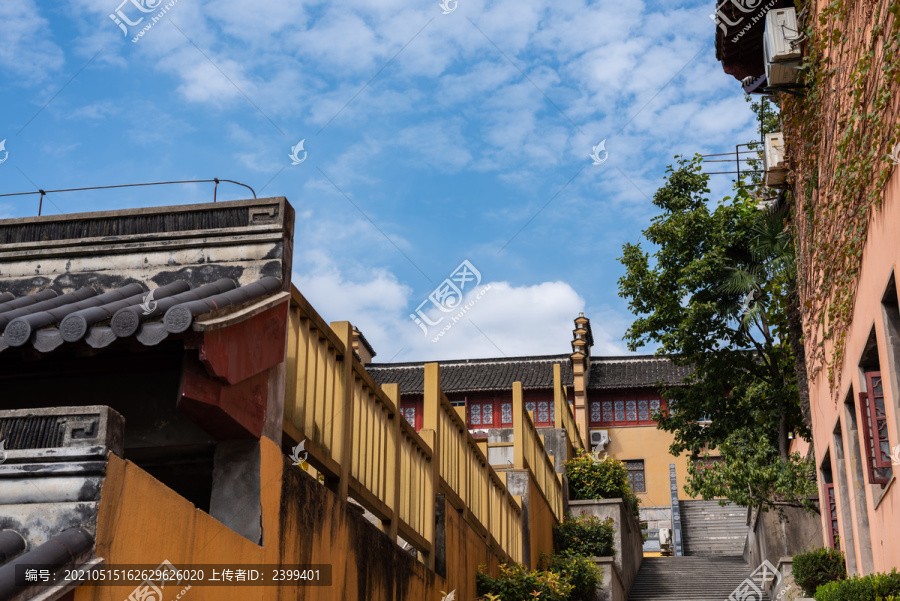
[688, 578]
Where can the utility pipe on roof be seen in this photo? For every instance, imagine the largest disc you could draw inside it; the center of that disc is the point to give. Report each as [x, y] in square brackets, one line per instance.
[75, 325]
[126, 321]
[51, 303]
[179, 318]
[18, 332]
[61, 550]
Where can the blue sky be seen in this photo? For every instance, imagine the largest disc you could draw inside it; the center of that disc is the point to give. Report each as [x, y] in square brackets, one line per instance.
[430, 139]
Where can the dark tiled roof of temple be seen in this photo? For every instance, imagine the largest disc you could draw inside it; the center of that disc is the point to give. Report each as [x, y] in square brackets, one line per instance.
[474, 375]
[637, 371]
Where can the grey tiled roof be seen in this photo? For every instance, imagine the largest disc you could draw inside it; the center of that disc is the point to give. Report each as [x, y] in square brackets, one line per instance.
[49, 318]
[472, 375]
[475, 375]
[636, 371]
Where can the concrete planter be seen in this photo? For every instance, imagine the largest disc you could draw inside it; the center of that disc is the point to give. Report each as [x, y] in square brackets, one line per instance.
[629, 541]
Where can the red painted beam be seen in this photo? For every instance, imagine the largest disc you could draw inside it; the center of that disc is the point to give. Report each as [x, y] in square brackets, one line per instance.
[240, 351]
[225, 411]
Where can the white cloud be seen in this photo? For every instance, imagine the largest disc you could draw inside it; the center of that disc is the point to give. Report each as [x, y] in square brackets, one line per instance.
[507, 320]
[27, 47]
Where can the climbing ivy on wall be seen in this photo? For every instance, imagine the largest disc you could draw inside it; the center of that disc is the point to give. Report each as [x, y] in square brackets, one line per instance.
[839, 136]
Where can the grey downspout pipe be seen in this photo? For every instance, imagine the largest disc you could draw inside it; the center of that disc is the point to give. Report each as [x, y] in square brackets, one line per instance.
[11, 544]
[61, 550]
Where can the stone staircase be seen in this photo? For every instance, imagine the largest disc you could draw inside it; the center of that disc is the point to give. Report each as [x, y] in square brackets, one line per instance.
[712, 530]
[689, 578]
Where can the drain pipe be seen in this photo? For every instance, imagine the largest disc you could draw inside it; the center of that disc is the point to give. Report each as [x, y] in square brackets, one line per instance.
[677, 544]
[11, 544]
[59, 551]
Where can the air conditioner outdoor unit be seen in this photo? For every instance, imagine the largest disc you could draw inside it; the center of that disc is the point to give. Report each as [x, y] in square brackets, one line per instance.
[773, 160]
[780, 46]
[599, 439]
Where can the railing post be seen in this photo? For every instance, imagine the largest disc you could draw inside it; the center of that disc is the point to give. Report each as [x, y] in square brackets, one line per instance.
[344, 418]
[518, 426]
[392, 492]
[431, 421]
[558, 399]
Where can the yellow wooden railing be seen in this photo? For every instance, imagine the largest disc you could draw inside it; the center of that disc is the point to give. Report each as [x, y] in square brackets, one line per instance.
[359, 442]
[353, 432]
[529, 453]
[564, 417]
[464, 475]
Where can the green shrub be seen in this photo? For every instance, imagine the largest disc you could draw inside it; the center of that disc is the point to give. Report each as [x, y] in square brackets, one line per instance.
[603, 479]
[518, 583]
[866, 588]
[581, 572]
[817, 567]
[585, 535]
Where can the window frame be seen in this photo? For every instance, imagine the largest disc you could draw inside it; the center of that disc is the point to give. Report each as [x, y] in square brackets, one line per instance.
[418, 411]
[834, 537]
[643, 472]
[874, 421]
[637, 399]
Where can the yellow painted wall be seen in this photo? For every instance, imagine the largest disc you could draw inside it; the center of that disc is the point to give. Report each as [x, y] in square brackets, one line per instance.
[541, 522]
[651, 445]
[141, 521]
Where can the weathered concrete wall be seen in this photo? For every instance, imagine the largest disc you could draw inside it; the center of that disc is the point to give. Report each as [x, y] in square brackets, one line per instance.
[628, 541]
[771, 537]
[243, 240]
[611, 589]
[143, 521]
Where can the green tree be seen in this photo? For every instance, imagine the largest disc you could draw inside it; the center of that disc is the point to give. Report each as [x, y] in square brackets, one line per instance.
[713, 295]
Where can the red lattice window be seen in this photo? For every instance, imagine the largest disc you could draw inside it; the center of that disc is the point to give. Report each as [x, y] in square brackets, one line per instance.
[412, 413]
[506, 414]
[481, 414]
[875, 429]
[543, 412]
[625, 412]
[833, 538]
